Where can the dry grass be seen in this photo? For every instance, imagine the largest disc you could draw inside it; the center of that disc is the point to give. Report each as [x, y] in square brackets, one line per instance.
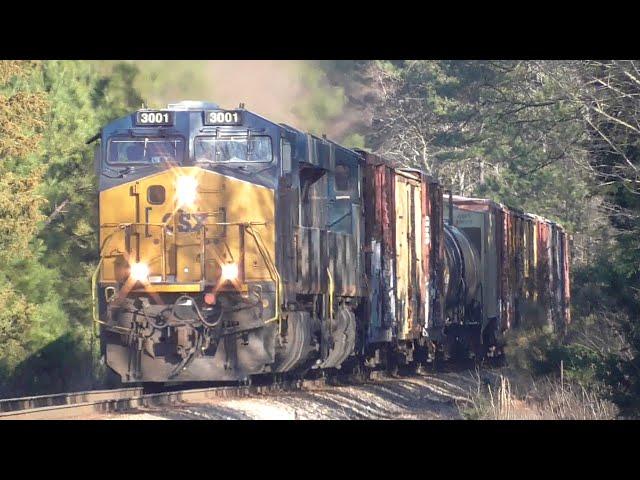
[546, 400]
[571, 402]
[496, 402]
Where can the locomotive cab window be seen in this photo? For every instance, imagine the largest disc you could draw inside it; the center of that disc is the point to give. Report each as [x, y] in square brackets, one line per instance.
[233, 149]
[144, 150]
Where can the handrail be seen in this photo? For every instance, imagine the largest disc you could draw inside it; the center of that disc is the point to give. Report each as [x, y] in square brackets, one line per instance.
[273, 271]
[94, 296]
[331, 292]
[94, 290]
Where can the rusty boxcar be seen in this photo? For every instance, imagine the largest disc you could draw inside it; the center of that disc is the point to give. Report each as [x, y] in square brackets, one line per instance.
[404, 253]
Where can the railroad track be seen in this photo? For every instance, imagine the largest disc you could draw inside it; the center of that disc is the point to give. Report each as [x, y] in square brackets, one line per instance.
[84, 404]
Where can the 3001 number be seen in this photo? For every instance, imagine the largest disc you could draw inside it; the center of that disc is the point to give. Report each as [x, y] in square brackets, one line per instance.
[223, 117]
[154, 117]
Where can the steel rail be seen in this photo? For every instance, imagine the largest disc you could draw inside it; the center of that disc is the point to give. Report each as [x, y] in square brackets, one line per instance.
[119, 401]
[9, 405]
[85, 404]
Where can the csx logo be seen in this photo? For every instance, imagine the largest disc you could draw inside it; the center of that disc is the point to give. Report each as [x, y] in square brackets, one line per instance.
[186, 222]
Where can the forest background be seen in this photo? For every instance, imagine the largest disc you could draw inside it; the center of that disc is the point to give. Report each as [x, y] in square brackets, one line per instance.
[558, 138]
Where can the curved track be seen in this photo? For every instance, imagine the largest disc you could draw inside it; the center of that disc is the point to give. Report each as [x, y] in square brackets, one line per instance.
[89, 403]
[82, 404]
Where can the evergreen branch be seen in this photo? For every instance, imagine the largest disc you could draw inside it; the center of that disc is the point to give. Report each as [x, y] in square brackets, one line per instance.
[56, 212]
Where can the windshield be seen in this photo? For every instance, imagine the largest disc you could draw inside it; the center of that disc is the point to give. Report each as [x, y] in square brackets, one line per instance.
[233, 149]
[145, 150]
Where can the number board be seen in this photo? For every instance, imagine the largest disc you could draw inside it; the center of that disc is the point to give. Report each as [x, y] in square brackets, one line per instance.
[154, 118]
[222, 117]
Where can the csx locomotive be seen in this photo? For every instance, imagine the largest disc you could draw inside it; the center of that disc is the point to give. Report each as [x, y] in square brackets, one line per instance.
[232, 246]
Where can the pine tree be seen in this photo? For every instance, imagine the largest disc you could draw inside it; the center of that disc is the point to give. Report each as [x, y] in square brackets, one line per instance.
[23, 110]
[48, 216]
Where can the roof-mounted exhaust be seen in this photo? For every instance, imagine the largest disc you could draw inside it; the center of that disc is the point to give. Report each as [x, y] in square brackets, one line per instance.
[193, 105]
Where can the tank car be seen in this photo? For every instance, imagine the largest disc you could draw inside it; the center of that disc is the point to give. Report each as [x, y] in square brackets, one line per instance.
[522, 268]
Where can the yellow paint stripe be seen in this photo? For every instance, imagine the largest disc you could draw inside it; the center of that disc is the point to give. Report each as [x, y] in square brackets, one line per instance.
[171, 288]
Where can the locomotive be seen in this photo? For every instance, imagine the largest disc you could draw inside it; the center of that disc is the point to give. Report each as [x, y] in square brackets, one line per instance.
[233, 246]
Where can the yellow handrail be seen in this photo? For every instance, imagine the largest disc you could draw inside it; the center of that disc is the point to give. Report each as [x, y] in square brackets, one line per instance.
[94, 291]
[94, 296]
[331, 291]
[273, 271]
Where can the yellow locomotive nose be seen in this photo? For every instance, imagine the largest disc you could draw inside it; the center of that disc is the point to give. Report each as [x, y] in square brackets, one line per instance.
[186, 189]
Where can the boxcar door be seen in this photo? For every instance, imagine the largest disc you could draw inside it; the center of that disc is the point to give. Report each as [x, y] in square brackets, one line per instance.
[408, 216]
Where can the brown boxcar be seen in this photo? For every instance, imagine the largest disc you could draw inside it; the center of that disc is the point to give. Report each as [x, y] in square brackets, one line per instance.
[403, 252]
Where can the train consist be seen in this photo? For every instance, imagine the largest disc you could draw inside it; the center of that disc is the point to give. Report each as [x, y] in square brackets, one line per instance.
[233, 246]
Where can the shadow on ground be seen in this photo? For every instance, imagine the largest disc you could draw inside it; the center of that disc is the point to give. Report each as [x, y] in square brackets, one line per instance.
[433, 396]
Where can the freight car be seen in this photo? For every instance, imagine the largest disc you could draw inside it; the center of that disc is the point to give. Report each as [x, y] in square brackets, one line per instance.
[232, 246]
[524, 262]
[522, 269]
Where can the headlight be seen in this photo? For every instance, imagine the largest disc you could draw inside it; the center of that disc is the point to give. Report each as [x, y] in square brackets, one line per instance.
[229, 271]
[186, 188]
[139, 272]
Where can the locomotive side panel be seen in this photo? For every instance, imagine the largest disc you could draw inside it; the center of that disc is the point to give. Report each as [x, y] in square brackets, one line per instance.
[311, 234]
[344, 221]
[329, 231]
